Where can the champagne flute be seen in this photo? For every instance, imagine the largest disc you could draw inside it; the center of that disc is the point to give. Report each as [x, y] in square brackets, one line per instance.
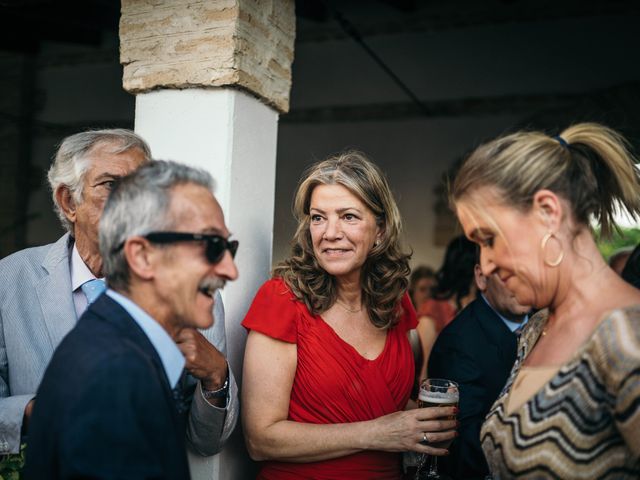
[436, 392]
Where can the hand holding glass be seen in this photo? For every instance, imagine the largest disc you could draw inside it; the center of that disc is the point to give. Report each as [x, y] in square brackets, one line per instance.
[436, 392]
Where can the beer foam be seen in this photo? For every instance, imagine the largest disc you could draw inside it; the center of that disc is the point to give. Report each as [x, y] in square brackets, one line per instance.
[438, 397]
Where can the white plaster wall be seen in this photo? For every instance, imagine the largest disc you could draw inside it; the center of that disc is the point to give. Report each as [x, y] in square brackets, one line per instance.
[232, 136]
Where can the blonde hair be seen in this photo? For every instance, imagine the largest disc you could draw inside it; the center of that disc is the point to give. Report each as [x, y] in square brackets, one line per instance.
[589, 165]
[384, 274]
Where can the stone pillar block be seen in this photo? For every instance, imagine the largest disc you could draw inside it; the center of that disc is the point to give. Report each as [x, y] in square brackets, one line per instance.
[178, 44]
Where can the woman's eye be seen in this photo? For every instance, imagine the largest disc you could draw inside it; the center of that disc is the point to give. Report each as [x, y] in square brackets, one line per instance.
[487, 242]
[316, 218]
[349, 217]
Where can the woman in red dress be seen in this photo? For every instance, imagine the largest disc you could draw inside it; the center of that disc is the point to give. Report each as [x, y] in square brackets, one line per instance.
[328, 366]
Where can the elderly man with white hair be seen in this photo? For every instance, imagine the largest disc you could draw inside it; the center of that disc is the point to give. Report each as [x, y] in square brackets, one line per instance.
[46, 289]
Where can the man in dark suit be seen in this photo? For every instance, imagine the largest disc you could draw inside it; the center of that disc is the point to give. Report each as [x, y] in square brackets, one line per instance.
[477, 350]
[110, 403]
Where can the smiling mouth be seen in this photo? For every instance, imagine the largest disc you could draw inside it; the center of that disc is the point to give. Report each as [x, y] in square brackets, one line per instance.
[209, 286]
[209, 292]
[335, 250]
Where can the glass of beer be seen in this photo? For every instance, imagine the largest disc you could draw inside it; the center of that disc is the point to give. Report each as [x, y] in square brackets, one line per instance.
[436, 392]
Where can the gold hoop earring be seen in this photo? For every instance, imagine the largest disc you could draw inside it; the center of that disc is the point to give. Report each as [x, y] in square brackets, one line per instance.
[543, 246]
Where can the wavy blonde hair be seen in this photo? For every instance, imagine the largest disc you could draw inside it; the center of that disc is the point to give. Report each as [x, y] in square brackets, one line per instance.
[588, 164]
[385, 271]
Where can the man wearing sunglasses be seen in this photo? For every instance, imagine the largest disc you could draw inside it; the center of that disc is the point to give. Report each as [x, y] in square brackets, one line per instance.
[166, 251]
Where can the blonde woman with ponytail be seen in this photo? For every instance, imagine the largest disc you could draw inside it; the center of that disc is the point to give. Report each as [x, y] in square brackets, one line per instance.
[571, 407]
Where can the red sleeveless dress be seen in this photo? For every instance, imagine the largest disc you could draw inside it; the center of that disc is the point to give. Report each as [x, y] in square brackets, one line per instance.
[333, 383]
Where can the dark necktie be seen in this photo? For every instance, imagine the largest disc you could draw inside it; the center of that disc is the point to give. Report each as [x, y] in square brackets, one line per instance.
[180, 397]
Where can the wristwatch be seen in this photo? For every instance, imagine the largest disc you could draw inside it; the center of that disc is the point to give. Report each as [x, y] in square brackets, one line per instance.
[219, 393]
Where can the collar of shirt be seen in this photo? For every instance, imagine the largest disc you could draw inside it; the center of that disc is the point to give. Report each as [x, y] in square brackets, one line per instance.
[513, 326]
[169, 353]
[80, 273]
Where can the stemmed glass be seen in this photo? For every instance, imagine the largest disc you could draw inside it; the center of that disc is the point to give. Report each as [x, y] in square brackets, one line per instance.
[436, 392]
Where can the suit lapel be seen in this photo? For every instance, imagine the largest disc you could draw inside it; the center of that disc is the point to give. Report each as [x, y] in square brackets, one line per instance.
[497, 332]
[112, 312]
[54, 292]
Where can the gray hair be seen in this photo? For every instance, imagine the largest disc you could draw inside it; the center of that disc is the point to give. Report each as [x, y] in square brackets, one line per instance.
[139, 204]
[73, 159]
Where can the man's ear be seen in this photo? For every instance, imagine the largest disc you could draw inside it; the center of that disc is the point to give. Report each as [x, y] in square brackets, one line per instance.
[140, 254]
[548, 208]
[481, 280]
[65, 200]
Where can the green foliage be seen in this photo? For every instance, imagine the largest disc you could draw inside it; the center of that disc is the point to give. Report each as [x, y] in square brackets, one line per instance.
[11, 465]
[627, 237]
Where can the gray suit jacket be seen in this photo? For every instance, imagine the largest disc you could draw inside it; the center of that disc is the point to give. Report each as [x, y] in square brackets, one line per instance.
[37, 311]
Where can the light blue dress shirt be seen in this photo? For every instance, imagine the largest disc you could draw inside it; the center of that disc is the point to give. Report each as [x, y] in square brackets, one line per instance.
[170, 355]
[513, 326]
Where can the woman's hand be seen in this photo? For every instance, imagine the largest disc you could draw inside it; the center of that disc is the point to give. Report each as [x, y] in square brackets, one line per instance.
[407, 430]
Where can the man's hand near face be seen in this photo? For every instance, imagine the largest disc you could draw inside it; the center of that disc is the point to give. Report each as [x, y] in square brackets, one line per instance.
[203, 361]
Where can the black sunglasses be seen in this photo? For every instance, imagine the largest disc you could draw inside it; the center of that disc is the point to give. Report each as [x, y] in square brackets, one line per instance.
[215, 245]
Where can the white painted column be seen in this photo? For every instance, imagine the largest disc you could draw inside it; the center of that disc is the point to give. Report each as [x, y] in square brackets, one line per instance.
[233, 136]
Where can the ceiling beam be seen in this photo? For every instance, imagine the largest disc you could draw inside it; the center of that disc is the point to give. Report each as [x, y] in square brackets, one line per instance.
[430, 21]
[462, 107]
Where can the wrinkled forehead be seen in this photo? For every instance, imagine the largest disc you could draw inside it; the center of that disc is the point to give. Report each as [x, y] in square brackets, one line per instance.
[112, 157]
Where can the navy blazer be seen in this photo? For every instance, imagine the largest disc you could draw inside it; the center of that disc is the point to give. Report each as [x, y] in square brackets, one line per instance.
[476, 350]
[105, 408]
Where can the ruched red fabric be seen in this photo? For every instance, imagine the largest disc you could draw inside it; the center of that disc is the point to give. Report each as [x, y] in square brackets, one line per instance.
[333, 383]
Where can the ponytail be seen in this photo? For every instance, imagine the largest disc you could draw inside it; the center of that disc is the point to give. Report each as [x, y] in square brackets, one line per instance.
[587, 164]
[600, 157]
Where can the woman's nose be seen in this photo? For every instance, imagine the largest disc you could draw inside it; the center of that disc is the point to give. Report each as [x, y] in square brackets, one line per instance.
[332, 230]
[486, 264]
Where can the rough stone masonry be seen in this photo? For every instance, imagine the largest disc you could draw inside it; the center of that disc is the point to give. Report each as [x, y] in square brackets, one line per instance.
[202, 43]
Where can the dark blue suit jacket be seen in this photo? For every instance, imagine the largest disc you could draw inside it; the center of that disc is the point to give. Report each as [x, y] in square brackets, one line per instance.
[105, 409]
[476, 350]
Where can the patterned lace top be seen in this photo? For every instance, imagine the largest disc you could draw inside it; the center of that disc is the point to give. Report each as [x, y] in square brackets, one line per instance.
[585, 422]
